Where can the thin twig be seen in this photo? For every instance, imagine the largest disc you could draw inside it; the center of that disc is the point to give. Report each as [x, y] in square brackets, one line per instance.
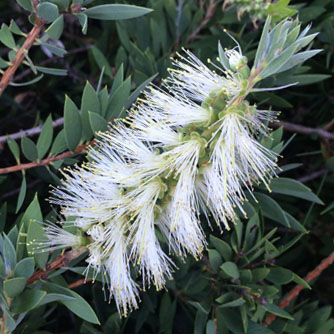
[79, 282]
[295, 291]
[291, 127]
[312, 176]
[10, 71]
[209, 14]
[30, 132]
[45, 161]
[17, 190]
[60, 261]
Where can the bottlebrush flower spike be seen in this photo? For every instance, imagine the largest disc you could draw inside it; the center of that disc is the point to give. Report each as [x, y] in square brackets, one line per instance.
[187, 148]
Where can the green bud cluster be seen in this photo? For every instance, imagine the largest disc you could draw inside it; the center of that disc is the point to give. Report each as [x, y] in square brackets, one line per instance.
[257, 9]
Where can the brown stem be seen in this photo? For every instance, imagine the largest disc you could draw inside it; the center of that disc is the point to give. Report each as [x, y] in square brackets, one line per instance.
[295, 291]
[9, 73]
[3, 323]
[303, 129]
[43, 162]
[209, 14]
[60, 261]
[79, 282]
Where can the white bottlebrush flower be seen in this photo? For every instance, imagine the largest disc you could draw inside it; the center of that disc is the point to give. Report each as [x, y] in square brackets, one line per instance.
[195, 80]
[56, 238]
[187, 148]
[175, 110]
[239, 158]
[116, 267]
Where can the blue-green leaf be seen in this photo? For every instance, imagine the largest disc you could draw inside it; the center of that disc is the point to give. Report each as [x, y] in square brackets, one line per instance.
[97, 122]
[55, 30]
[274, 309]
[22, 194]
[78, 305]
[116, 12]
[14, 286]
[29, 149]
[26, 4]
[25, 268]
[48, 11]
[45, 138]
[6, 37]
[27, 301]
[294, 188]
[72, 124]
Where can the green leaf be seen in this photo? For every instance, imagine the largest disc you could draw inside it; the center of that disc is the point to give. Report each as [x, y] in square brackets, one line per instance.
[45, 138]
[14, 28]
[14, 286]
[27, 83]
[260, 274]
[22, 194]
[222, 247]
[200, 322]
[89, 102]
[78, 306]
[307, 79]
[55, 30]
[14, 148]
[215, 259]
[103, 98]
[72, 124]
[35, 232]
[48, 11]
[60, 52]
[223, 59]
[102, 61]
[166, 313]
[278, 62]
[54, 297]
[118, 80]
[9, 254]
[298, 59]
[298, 280]
[274, 309]
[263, 44]
[97, 122]
[4, 63]
[21, 243]
[59, 143]
[280, 276]
[254, 328]
[116, 12]
[138, 90]
[232, 321]
[230, 268]
[27, 301]
[25, 268]
[83, 20]
[294, 188]
[29, 149]
[26, 4]
[52, 71]
[211, 327]
[118, 100]
[234, 303]
[271, 209]
[6, 37]
[10, 322]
